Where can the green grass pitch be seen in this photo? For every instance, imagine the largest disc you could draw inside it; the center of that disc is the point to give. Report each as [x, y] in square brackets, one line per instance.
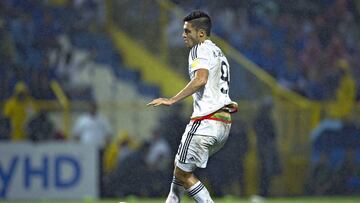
[223, 200]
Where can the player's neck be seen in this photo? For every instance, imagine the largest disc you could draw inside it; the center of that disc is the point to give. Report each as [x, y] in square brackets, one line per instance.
[203, 39]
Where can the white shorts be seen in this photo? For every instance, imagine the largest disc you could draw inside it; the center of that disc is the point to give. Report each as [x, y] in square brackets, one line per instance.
[200, 140]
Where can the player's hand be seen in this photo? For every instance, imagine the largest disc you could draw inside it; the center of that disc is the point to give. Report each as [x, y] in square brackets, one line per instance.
[161, 101]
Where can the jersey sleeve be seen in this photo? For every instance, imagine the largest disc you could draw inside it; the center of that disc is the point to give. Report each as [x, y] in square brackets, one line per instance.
[201, 58]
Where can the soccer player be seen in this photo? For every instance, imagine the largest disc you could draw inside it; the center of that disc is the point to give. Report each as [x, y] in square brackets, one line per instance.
[210, 122]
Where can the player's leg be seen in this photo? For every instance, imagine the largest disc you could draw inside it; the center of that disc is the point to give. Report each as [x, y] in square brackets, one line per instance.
[205, 146]
[176, 191]
[194, 152]
[193, 186]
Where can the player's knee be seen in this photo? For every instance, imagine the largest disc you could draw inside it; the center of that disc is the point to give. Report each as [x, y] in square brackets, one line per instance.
[181, 175]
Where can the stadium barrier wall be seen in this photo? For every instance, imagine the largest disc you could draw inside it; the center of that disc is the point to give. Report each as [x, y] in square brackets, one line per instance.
[50, 170]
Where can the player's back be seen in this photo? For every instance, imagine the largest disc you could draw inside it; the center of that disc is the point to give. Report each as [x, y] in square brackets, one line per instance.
[215, 94]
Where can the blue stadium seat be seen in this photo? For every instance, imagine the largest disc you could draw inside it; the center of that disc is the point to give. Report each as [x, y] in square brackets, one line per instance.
[127, 74]
[148, 90]
[106, 54]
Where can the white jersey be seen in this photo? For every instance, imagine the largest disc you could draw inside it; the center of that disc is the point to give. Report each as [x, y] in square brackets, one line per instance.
[215, 94]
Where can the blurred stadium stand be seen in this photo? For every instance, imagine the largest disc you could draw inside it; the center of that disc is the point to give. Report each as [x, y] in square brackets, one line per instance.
[303, 54]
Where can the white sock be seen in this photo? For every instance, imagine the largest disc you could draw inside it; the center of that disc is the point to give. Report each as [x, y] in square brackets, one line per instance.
[176, 192]
[199, 193]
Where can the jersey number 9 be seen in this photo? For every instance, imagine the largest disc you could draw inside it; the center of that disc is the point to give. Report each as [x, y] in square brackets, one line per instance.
[225, 77]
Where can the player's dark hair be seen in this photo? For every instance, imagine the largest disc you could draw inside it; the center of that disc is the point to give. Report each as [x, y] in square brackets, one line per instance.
[199, 20]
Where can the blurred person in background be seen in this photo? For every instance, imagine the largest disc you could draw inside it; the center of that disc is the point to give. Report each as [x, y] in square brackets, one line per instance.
[346, 171]
[126, 146]
[159, 152]
[67, 70]
[4, 127]
[158, 162]
[40, 79]
[344, 91]
[320, 177]
[130, 175]
[92, 128]
[115, 157]
[210, 123]
[226, 168]
[91, 14]
[19, 108]
[40, 128]
[268, 156]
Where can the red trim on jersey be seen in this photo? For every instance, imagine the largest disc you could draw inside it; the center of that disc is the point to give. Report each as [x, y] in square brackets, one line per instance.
[210, 117]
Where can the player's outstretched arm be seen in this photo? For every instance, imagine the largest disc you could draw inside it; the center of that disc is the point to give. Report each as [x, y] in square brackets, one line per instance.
[199, 81]
[161, 101]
